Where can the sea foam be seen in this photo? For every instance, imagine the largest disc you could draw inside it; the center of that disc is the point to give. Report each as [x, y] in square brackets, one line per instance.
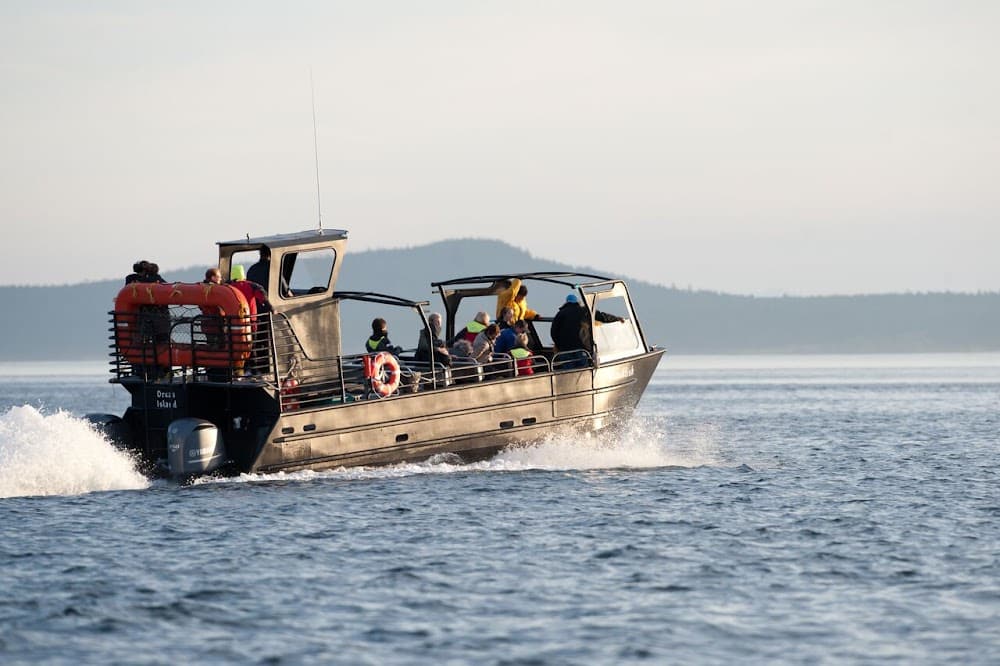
[644, 443]
[59, 454]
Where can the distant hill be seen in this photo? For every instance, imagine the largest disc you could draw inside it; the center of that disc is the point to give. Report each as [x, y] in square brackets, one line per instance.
[70, 322]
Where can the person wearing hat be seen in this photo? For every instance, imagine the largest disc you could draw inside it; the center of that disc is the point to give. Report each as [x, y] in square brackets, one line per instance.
[256, 302]
[566, 334]
[253, 292]
[378, 341]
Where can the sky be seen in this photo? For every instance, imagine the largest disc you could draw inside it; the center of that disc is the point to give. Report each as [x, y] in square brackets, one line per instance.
[772, 147]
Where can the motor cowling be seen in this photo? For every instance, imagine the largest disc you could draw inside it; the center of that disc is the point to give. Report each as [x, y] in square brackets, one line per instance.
[194, 446]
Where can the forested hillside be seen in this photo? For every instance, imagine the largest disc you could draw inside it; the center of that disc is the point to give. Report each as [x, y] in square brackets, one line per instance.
[70, 322]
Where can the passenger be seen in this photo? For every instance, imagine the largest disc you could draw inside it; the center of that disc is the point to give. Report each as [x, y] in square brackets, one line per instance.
[482, 347]
[260, 271]
[155, 320]
[253, 292]
[506, 318]
[566, 334]
[138, 270]
[514, 296]
[461, 349]
[508, 337]
[151, 273]
[522, 355]
[473, 328]
[256, 302]
[211, 323]
[571, 332]
[431, 339]
[379, 340]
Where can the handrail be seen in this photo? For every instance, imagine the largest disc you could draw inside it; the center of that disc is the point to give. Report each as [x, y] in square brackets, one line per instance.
[272, 354]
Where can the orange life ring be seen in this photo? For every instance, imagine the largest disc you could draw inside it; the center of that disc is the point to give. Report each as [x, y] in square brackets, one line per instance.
[384, 374]
[221, 299]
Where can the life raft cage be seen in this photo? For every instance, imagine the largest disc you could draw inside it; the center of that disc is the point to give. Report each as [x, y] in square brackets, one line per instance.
[142, 325]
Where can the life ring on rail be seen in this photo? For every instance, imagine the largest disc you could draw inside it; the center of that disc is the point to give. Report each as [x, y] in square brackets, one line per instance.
[383, 370]
[131, 318]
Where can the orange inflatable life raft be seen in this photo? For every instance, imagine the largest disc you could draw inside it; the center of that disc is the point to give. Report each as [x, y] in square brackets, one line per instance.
[136, 315]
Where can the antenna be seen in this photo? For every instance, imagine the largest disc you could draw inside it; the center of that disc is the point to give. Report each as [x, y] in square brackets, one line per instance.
[319, 203]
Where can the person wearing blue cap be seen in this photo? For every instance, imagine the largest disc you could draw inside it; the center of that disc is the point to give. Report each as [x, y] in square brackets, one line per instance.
[571, 333]
[566, 334]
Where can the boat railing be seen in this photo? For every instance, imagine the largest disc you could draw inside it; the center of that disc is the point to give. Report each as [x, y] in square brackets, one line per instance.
[574, 359]
[181, 344]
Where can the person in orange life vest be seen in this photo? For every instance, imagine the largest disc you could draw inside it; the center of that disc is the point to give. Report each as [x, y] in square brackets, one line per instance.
[514, 296]
[379, 339]
[473, 328]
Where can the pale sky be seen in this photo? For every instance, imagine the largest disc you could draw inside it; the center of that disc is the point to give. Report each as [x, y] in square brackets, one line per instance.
[794, 146]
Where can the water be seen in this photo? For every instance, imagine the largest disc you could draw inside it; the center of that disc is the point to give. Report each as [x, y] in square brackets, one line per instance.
[759, 509]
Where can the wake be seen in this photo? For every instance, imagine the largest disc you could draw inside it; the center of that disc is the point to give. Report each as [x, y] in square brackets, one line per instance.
[642, 444]
[59, 454]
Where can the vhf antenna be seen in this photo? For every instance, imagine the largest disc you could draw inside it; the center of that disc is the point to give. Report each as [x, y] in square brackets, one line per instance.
[319, 203]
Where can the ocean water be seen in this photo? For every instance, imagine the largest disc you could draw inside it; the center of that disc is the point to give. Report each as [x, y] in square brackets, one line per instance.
[757, 510]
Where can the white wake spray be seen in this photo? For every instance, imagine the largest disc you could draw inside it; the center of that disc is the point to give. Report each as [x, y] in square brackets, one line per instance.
[642, 444]
[59, 454]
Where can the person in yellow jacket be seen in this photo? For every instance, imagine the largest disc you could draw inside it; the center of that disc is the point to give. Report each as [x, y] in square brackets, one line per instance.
[514, 296]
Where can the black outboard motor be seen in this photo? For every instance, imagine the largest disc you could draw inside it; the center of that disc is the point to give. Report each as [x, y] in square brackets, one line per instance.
[194, 446]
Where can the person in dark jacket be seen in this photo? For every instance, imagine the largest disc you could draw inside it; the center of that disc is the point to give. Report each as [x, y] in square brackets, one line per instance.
[379, 339]
[431, 339]
[138, 270]
[144, 271]
[571, 332]
[566, 334]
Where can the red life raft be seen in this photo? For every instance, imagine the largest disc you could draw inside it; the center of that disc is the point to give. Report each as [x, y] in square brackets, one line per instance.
[136, 307]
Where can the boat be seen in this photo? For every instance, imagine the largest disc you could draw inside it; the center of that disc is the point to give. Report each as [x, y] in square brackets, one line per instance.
[217, 389]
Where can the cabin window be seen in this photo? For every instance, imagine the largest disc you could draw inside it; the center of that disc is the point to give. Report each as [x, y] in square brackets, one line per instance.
[307, 272]
[616, 339]
[254, 266]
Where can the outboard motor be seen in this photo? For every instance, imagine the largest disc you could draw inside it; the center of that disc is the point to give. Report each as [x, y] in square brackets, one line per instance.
[113, 428]
[194, 446]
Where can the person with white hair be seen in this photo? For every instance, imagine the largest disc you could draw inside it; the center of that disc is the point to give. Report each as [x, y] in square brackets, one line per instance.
[430, 338]
[473, 328]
